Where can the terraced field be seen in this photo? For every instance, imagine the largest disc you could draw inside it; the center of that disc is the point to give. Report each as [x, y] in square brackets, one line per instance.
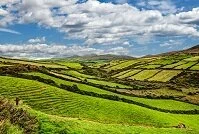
[165, 75]
[145, 74]
[184, 106]
[55, 101]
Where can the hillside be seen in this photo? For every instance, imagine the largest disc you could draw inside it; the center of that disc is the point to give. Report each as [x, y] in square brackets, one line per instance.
[103, 94]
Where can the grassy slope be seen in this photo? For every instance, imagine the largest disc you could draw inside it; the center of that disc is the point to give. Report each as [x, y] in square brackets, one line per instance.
[57, 124]
[168, 104]
[59, 102]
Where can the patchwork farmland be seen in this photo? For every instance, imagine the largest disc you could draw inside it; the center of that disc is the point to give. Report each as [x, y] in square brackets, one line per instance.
[149, 95]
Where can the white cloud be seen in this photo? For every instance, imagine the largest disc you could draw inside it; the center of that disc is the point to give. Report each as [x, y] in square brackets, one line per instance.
[9, 31]
[172, 43]
[37, 40]
[44, 50]
[105, 23]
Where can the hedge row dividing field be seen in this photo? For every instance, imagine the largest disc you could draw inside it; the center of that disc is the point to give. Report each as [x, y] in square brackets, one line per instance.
[165, 75]
[145, 74]
[83, 87]
[52, 100]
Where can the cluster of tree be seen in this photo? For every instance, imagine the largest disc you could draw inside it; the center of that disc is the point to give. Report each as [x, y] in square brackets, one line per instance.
[18, 117]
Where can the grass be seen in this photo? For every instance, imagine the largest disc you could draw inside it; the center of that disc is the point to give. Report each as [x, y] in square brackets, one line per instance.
[57, 124]
[185, 66]
[119, 74]
[52, 100]
[73, 65]
[145, 74]
[195, 58]
[151, 66]
[77, 74]
[196, 67]
[99, 91]
[165, 75]
[65, 76]
[80, 86]
[110, 84]
[132, 72]
[123, 65]
[48, 65]
[175, 64]
[163, 62]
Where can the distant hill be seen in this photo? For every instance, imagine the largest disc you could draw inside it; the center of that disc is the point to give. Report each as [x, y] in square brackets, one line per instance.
[193, 50]
[101, 57]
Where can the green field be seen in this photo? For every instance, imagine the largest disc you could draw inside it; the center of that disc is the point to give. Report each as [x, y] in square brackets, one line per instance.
[196, 67]
[56, 101]
[110, 84]
[128, 74]
[175, 64]
[121, 73]
[185, 66]
[48, 65]
[165, 75]
[162, 62]
[123, 65]
[73, 65]
[145, 74]
[195, 58]
[184, 106]
[150, 66]
[77, 74]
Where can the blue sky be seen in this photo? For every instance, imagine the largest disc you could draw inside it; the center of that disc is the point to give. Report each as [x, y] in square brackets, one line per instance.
[51, 28]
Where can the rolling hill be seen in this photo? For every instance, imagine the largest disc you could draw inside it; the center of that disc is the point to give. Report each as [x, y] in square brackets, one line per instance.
[101, 94]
